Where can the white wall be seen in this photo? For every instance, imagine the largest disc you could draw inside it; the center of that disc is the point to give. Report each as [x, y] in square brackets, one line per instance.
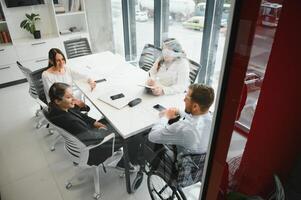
[100, 24]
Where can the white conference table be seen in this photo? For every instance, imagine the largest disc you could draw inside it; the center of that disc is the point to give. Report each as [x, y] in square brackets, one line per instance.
[121, 77]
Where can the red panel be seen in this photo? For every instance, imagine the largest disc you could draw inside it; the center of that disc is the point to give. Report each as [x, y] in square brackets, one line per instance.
[275, 137]
[238, 68]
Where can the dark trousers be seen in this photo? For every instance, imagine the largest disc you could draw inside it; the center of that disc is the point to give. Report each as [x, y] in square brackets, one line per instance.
[97, 135]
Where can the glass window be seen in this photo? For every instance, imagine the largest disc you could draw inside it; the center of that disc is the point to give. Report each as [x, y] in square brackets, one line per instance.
[117, 26]
[186, 23]
[186, 26]
[144, 24]
[260, 52]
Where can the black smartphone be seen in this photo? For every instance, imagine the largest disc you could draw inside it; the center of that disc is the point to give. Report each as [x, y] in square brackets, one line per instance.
[117, 96]
[158, 107]
[100, 80]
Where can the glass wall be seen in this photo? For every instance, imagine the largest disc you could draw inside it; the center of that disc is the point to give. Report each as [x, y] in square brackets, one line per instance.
[260, 52]
[144, 24]
[184, 25]
[117, 26]
[185, 21]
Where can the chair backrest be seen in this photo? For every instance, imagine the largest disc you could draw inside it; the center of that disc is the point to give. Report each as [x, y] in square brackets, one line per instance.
[194, 70]
[73, 145]
[34, 78]
[149, 55]
[77, 47]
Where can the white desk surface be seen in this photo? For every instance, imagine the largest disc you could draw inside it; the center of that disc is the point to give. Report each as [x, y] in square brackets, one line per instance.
[122, 78]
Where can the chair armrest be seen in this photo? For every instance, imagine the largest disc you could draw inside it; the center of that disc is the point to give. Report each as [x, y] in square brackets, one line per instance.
[106, 139]
[84, 153]
[41, 103]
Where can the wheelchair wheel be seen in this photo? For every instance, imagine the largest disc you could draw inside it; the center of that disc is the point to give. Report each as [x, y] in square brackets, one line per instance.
[158, 188]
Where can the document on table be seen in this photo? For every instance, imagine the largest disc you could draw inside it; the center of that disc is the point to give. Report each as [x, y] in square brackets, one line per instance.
[117, 103]
[146, 86]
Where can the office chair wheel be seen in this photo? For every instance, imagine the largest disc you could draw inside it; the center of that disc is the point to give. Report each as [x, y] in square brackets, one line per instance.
[50, 131]
[96, 196]
[38, 112]
[158, 188]
[137, 181]
[122, 175]
[68, 185]
[38, 126]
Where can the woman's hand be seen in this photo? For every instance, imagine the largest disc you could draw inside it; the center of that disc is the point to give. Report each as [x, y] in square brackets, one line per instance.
[157, 90]
[150, 82]
[79, 103]
[99, 125]
[92, 84]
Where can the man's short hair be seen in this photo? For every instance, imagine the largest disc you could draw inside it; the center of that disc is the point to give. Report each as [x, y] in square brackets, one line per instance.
[203, 95]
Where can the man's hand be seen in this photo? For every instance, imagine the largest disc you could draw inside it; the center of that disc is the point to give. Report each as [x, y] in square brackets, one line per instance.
[92, 84]
[99, 125]
[170, 113]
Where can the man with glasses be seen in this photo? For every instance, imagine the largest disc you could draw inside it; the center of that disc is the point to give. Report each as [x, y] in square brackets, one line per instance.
[191, 133]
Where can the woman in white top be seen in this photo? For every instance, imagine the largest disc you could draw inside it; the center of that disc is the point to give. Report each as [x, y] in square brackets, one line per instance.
[170, 72]
[57, 71]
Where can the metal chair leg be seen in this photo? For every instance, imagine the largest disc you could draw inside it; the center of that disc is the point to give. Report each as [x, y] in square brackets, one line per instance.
[96, 183]
[56, 140]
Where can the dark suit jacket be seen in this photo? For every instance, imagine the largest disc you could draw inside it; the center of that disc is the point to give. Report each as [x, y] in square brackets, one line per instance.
[78, 124]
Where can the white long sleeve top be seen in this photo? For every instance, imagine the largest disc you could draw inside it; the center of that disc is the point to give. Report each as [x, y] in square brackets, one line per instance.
[50, 78]
[174, 78]
[190, 134]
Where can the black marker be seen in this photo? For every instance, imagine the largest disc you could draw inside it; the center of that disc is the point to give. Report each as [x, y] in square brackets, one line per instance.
[100, 80]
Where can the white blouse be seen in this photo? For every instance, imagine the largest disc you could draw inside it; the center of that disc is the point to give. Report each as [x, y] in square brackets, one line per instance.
[50, 78]
[174, 77]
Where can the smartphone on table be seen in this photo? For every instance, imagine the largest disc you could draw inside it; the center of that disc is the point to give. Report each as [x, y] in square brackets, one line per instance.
[159, 107]
[117, 96]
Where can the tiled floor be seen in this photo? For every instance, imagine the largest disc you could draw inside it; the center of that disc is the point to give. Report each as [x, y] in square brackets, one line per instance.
[30, 171]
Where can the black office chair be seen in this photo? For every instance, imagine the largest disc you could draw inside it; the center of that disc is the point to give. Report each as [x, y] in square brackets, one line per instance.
[83, 156]
[149, 55]
[36, 89]
[77, 47]
[194, 70]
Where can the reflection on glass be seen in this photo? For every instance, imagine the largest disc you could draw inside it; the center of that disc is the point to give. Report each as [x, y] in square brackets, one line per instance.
[186, 23]
[186, 27]
[144, 24]
[262, 44]
[117, 26]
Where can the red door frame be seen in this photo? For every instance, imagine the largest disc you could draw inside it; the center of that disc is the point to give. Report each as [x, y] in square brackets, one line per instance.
[238, 55]
[275, 138]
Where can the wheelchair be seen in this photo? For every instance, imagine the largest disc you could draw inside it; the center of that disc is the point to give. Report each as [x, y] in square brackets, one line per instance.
[167, 171]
